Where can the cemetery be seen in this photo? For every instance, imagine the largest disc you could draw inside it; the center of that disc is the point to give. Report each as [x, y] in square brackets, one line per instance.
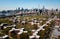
[29, 27]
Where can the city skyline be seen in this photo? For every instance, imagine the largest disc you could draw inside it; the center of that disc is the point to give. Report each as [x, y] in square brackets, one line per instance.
[13, 4]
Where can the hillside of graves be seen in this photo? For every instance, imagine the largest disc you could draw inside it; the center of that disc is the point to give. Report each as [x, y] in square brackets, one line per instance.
[26, 27]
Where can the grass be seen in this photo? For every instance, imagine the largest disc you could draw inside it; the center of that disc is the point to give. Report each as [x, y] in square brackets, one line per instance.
[5, 31]
[31, 17]
[3, 20]
[27, 26]
[1, 34]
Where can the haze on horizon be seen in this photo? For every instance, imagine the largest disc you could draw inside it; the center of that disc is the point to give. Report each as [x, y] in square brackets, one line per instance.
[13, 4]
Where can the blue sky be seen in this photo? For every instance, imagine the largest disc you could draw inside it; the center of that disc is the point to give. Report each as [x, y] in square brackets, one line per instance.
[13, 4]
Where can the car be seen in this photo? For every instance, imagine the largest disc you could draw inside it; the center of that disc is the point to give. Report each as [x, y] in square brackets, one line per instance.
[59, 29]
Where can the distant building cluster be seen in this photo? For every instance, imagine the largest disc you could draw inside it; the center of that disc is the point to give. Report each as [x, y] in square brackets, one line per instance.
[23, 12]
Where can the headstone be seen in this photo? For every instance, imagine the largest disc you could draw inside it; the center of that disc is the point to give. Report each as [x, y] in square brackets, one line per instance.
[31, 37]
[37, 36]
